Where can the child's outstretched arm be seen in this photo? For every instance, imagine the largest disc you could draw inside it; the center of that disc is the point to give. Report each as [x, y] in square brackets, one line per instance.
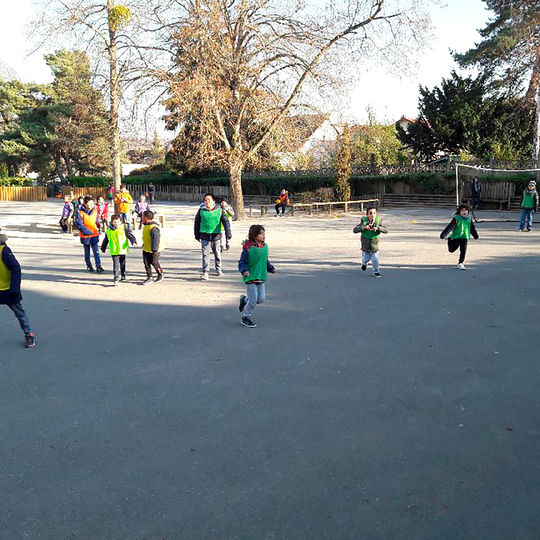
[226, 225]
[15, 268]
[130, 237]
[358, 229]
[448, 229]
[382, 228]
[270, 267]
[197, 226]
[104, 244]
[473, 231]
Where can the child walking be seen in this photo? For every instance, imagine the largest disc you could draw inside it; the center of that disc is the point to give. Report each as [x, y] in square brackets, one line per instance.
[459, 231]
[207, 228]
[103, 214]
[371, 227]
[529, 205]
[88, 225]
[67, 213]
[254, 267]
[10, 290]
[152, 247]
[117, 238]
[141, 206]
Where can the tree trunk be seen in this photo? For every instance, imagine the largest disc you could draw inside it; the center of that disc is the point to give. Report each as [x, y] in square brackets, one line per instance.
[536, 134]
[535, 78]
[235, 175]
[114, 98]
[69, 168]
[58, 162]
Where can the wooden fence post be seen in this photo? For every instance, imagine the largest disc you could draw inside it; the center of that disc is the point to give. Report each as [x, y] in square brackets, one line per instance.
[250, 210]
[162, 221]
[346, 207]
[310, 209]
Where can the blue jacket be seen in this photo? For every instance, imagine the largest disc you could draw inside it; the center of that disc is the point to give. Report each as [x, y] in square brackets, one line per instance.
[13, 294]
[243, 263]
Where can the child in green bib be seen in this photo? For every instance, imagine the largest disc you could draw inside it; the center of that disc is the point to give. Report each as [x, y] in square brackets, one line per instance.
[254, 267]
[117, 239]
[459, 231]
[371, 227]
[529, 205]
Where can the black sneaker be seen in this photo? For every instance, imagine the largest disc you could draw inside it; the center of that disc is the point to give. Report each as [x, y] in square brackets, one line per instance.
[100, 269]
[90, 268]
[29, 341]
[363, 267]
[148, 281]
[243, 302]
[123, 278]
[247, 322]
[159, 278]
[376, 274]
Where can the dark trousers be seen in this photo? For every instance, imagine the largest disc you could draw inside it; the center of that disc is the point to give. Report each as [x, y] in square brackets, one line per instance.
[21, 317]
[64, 224]
[151, 259]
[119, 266]
[455, 243]
[282, 206]
[95, 250]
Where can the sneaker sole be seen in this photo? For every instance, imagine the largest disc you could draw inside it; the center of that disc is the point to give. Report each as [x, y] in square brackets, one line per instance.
[248, 325]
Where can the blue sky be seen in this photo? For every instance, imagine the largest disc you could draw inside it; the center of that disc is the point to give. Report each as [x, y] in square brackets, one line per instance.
[389, 95]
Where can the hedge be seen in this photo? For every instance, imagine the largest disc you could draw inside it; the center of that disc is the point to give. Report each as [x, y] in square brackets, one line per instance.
[15, 181]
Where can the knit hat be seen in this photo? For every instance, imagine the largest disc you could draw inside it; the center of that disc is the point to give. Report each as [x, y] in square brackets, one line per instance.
[532, 183]
[3, 238]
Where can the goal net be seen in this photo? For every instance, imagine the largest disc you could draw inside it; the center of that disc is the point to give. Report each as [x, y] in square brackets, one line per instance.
[498, 185]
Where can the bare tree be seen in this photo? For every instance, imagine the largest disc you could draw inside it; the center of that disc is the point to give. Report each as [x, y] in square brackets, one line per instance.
[115, 36]
[243, 66]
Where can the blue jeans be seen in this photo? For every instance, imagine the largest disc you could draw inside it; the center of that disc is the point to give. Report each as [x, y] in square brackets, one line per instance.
[206, 246]
[526, 218]
[95, 250]
[21, 316]
[256, 294]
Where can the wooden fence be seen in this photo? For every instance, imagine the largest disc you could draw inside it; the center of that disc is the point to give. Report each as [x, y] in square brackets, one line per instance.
[82, 191]
[23, 194]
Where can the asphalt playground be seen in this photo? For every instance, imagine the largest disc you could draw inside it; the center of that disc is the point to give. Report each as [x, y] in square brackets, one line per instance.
[405, 407]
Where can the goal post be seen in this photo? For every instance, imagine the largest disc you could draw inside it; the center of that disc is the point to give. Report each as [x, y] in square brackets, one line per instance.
[487, 171]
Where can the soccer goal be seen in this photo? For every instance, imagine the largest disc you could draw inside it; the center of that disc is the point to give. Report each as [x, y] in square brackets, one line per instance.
[498, 185]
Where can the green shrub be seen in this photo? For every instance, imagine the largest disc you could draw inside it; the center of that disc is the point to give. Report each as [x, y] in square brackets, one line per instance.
[90, 181]
[15, 181]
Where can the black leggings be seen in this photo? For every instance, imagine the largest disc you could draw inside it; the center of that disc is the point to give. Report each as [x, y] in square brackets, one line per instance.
[455, 243]
[151, 259]
[282, 206]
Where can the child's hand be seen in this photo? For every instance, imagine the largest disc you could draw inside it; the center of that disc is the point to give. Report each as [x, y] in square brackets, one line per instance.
[245, 274]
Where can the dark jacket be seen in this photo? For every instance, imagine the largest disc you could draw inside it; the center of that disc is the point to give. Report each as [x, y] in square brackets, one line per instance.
[214, 236]
[450, 227]
[370, 245]
[13, 294]
[243, 263]
[82, 229]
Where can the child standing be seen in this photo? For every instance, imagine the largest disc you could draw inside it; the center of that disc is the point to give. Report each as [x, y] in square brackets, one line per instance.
[529, 206]
[229, 212]
[118, 239]
[460, 230]
[141, 206]
[152, 247]
[371, 227]
[67, 213]
[10, 290]
[103, 213]
[254, 267]
[207, 228]
[88, 225]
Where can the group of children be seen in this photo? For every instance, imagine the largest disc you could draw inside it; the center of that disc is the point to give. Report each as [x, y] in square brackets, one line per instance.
[211, 223]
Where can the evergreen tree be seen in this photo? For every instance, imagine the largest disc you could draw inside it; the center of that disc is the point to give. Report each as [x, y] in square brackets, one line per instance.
[342, 186]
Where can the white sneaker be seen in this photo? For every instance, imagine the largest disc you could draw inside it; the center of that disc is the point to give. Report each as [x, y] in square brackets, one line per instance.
[204, 276]
[461, 266]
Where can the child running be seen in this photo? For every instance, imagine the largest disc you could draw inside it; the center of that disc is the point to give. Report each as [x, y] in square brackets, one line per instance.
[229, 212]
[460, 230]
[152, 247]
[371, 227]
[10, 290]
[207, 228]
[118, 239]
[254, 267]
